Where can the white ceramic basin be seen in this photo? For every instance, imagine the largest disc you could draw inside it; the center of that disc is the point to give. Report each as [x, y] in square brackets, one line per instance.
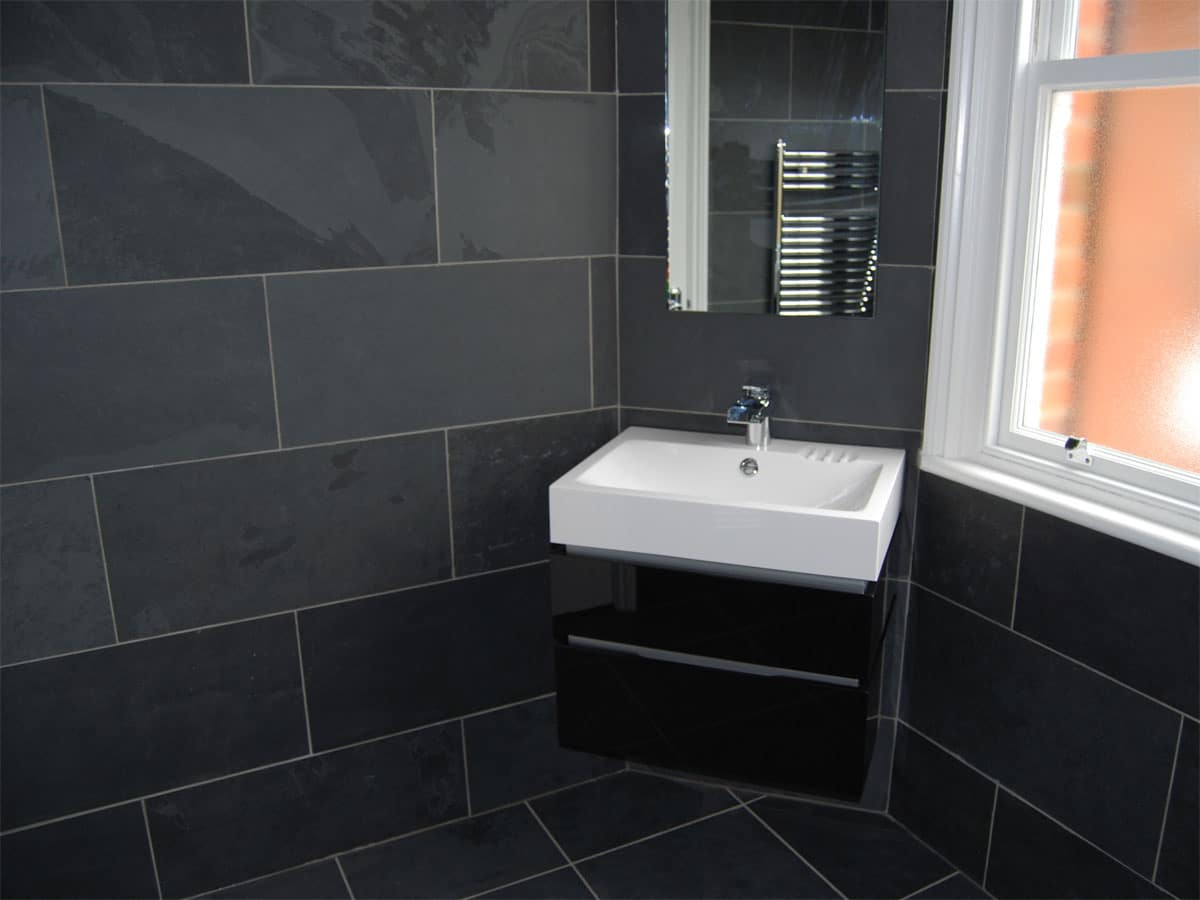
[823, 510]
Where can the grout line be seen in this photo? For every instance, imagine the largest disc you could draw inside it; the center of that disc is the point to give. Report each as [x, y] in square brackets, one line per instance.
[462, 730]
[924, 843]
[796, 852]
[643, 93]
[522, 880]
[303, 687]
[449, 500]
[226, 85]
[1167, 804]
[587, 40]
[717, 415]
[867, 30]
[150, 842]
[249, 55]
[908, 607]
[1012, 620]
[987, 856]
[591, 340]
[891, 772]
[558, 847]
[62, 248]
[112, 610]
[337, 861]
[658, 834]
[790, 69]
[925, 90]
[895, 265]
[653, 256]
[931, 884]
[271, 360]
[796, 797]
[503, 706]
[437, 221]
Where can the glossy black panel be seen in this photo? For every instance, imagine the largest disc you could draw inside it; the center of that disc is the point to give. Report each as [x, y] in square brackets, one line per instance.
[837, 75]
[1127, 611]
[642, 164]
[1178, 867]
[113, 377]
[387, 663]
[1031, 857]
[749, 77]
[613, 811]
[101, 855]
[825, 14]
[641, 46]
[200, 543]
[908, 178]
[359, 353]
[523, 176]
[51, 571]
[151, 715]
[562, 884]
[605, 375]
[967, 545]
[158, 41]
[178, 182]
[499, 483]
[457, 860]
[514, 753]
[602, 50]
[730, 855]
[1026, 716]
[31, 256]
[916, 45]
[947, 803]
[319, 881]
[538, 45]
[242, 827]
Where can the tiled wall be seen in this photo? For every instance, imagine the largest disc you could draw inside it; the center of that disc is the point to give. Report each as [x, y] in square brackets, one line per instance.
[304, 304]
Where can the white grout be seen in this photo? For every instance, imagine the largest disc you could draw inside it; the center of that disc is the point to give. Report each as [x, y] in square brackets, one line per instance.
[558, 847]
[462, 730]
[112, 610]
[717, 415]
[449, 501]
[437, 220]
[587, 41]
[522, 880]
[797, 853]
[1167, 803]
[150, 843]
[249, 55]
[271, 360]
[591, 340]
[931, 884]
[62, 248]
[346, 881]
[1012, 621]
[987, 856]
[303, 687]
[221, 85]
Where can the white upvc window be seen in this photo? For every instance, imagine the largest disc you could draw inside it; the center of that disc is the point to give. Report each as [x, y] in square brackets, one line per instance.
[1067, 302]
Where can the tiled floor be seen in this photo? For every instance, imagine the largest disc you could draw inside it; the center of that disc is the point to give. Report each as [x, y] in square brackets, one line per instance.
[634, 834]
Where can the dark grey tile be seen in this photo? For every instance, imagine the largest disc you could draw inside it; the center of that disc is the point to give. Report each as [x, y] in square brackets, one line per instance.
[893, 648]
[916, 45]
[532, 45]
[1032, 857]
[837, 75]
[360, 353]
[605, 350]
[319, 881]
[603, 814]
[176, 182]
[602, 48]
[748, 75]
[1178, 867]
[500, 477]
[826, 14]
[946, 803]
[731, 855]
[696, 362]
[514, 753]
[561, 884]
[642, 163]
[966, 546]
[31, 256]
[151, 715]
[207, 542]
[383, 664]
[113, 377]
[456, 860]
[1091, 753]
[641, 46]
[1127, 611]
[103, 854]
[159, 41]
[264, 821]
[879, 767]
[864, 854]
[741, 249]
[908, 177]
[51, 571]
[956, 887]
[525, 175]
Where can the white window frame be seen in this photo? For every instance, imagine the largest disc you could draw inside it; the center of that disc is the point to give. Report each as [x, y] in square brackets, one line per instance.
[997, 119]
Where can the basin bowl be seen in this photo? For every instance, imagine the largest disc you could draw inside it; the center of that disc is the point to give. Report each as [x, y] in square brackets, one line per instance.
[808, 511]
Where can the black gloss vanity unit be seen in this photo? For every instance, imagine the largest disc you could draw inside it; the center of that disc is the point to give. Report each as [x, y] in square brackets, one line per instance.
[765, 683]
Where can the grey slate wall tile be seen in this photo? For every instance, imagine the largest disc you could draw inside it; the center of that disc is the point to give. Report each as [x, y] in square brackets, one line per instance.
[837, 75]
[523, 176]
[113, 377]
[642, 167]
[52, 588]
[605, 349]
[908, 177]
[641, 37]
[916, 42]
[225, 539]
[749, 77]
[382, 352]
[31, 256]
[175, 182]
[602, 50]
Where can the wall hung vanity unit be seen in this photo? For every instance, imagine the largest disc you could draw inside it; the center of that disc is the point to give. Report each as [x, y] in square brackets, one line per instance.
[716, 607]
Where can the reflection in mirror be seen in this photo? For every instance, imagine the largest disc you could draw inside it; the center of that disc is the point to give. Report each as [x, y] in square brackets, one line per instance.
[775, 114]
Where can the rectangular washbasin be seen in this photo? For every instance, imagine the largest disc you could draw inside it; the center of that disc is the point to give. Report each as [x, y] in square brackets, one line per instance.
[808, 509]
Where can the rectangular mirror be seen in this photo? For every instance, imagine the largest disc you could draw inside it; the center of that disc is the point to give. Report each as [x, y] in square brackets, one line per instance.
[775, 123]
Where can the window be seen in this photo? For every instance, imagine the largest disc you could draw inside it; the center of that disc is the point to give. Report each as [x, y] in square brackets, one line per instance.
[1068, 280]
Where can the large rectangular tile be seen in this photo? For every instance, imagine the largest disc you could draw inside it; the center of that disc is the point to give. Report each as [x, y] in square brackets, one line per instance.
[174, 182]
[113, 377]
[318, 881]
[500, 477]
[51, 571]
[641, 46]
[561, 884]
[456, 860]
[207, 542]
[1127, 611]
[853, 14]
[749, 74]
[532, 45]
[1089, 752]
[602, 50]
[360, 353]
[133, 719]
[642, 165]
[1178, 867]
[260, 822]
[525, 175]
[916, 45]
[605, 352]
[387, 663]
[908, 177]
[837, 75]
[158, 41]
[31, 256]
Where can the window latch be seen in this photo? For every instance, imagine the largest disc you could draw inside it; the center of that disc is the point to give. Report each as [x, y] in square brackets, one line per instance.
[1077, 451]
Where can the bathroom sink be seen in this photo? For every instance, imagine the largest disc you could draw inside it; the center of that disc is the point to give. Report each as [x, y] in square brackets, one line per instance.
[807, 512]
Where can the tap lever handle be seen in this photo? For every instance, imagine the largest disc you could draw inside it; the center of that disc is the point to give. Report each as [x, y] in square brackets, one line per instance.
[757, 392]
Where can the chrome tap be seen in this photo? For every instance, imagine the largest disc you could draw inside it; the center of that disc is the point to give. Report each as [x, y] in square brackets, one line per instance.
[751, 410]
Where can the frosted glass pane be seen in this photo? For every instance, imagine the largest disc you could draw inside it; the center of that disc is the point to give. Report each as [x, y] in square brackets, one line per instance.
[1121, 361]
[1108, 27]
